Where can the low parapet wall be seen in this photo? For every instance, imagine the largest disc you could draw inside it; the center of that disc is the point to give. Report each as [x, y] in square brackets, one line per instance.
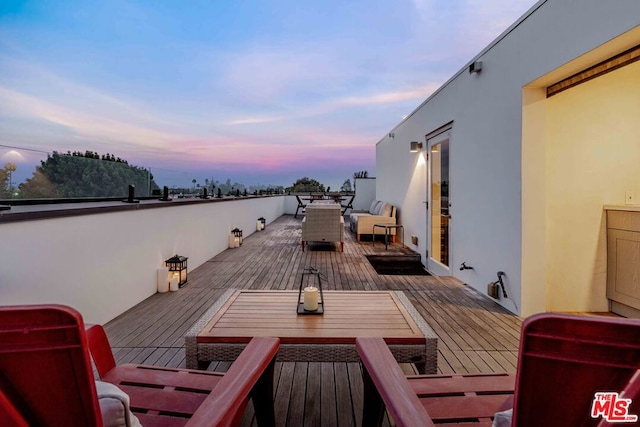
[103, 259]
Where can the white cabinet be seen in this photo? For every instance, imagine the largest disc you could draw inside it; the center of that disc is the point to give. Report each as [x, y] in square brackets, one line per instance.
[623, 262]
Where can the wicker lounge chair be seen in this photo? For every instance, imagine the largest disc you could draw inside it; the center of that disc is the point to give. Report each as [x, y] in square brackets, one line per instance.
[47, 379]
[323, 222]
[563, 361]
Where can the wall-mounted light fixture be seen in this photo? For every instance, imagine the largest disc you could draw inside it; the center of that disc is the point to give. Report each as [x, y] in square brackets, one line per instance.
[392, 135]
[475, 67]
[416, 146]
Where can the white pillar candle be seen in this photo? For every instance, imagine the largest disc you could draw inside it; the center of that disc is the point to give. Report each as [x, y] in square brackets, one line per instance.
[311, 297]
[258, 225]
[163, 279]
[174, 283]
[232, 241]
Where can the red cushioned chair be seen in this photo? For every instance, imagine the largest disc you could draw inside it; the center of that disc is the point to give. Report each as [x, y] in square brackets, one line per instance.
[563, 361]
[46, 377]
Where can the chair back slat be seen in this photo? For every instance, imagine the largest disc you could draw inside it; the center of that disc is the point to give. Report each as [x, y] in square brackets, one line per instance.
[564, 360]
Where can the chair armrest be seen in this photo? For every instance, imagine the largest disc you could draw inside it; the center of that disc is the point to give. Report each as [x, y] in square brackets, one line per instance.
[100, 349]
[221, 407]
[381, 368]
[9, 413]
[631, 391]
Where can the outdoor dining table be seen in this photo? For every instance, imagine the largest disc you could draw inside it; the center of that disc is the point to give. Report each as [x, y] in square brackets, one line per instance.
[337, 199]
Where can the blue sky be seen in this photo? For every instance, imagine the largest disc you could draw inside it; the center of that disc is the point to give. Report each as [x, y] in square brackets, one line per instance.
[261, 92]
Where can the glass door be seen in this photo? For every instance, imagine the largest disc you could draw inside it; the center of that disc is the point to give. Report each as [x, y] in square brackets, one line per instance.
[439, 216]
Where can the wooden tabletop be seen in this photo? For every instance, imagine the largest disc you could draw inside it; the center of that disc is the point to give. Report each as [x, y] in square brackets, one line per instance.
[347, 315]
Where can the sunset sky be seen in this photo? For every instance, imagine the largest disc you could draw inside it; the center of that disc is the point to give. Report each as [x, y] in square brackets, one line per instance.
[261, 92]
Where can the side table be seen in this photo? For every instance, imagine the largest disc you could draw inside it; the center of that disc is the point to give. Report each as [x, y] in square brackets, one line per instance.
[387, 232]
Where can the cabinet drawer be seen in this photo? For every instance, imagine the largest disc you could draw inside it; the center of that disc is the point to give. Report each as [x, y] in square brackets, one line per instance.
[622, 220]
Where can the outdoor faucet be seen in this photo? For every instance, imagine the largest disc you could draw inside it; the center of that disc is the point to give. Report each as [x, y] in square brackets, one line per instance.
[500, 274]
[464, 266]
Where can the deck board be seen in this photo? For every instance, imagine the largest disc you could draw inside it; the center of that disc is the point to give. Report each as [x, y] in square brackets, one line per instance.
[475, 334]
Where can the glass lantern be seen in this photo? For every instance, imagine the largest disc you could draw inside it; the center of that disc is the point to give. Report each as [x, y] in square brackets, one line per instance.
[237, 233]
[310, 297]
[178, 265]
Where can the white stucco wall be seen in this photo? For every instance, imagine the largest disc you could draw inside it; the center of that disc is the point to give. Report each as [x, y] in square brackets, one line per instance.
[365, 193]
[486, 138]
[104, 264]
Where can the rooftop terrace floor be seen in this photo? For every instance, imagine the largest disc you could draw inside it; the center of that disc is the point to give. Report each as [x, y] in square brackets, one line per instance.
[475, 334]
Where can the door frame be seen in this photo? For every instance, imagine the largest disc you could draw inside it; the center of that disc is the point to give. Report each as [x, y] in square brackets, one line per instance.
[436, 137]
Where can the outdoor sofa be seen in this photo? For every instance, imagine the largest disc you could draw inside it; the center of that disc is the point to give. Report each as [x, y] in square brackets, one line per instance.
[362, 222]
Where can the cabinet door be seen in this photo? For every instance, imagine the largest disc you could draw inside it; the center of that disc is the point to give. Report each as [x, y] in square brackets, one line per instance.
[623, 267]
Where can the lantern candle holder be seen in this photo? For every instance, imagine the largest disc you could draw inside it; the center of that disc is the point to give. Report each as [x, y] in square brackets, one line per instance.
[310, 298]
[261, 224]
[237, 234]
[234, 242]
[178, 265]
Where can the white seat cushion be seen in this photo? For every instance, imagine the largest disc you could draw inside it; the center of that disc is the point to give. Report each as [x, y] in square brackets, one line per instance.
[114, 406]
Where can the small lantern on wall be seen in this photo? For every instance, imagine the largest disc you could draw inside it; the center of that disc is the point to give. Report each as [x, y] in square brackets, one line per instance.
[177, 266]
[310, 298]
[261, 224]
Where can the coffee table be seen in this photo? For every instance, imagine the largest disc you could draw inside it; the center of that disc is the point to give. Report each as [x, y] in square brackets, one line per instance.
[238, 315]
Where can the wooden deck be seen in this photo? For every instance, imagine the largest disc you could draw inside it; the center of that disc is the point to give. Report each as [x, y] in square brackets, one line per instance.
[476, 334]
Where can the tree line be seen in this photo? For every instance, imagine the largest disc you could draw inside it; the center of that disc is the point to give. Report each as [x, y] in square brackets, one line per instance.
[77, 174]
[89, 174]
